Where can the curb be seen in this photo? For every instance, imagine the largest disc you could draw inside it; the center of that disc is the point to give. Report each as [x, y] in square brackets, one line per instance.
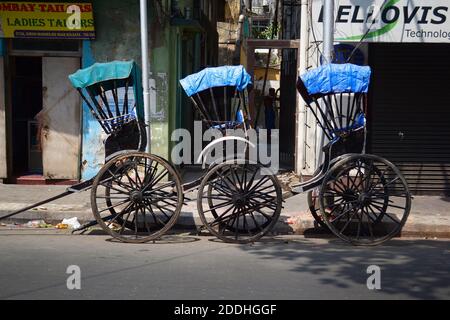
[298, 223]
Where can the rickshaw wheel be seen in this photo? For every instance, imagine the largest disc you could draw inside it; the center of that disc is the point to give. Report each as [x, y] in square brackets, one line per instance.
[364, 200]
[313, 204]
[139, 192]
[314, 207]
[113, 212]
[242, 205]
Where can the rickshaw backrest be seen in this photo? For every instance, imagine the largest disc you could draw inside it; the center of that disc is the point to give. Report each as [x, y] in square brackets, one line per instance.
[219, 95]
[108, 89]
[337, 96]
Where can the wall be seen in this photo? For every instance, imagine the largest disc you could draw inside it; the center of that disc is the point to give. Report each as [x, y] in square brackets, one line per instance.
[118, 30]
[227, 31]
[272, 74]
[3, 159]
[232, 10]
[118, 38]
[227, 42]
[163, 68]
[92, 148]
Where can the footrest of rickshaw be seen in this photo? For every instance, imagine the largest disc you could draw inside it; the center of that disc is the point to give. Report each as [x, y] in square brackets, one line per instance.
[297, 189]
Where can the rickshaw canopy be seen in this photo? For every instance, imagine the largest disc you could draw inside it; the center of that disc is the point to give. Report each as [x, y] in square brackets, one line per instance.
[223, 76]
[101, 72]
[119, 84]
[337, 78]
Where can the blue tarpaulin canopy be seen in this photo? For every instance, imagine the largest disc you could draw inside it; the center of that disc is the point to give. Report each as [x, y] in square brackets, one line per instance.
[337, 78]
[216, 77]
[100, 72]
[98, 79]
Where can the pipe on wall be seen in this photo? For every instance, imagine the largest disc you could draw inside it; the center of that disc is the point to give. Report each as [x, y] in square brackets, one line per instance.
[145, 70]
[302, 113]
[328, 30]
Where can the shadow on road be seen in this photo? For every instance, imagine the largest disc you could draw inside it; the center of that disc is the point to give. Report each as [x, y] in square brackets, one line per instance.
[416, 268]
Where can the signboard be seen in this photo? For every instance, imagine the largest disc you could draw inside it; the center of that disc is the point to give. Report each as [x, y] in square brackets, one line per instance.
[46, 20]
[425, 21]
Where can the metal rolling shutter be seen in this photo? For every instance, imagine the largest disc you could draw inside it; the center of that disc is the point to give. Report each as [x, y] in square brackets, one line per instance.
[410, 96]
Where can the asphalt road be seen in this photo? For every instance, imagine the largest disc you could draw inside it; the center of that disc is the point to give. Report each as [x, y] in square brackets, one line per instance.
[33, 266]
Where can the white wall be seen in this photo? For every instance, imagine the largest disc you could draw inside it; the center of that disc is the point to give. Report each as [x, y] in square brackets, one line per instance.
[3, 172]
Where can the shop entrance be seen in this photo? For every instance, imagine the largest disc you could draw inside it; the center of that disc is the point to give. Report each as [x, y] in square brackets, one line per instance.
[26, 98]
[43, 112]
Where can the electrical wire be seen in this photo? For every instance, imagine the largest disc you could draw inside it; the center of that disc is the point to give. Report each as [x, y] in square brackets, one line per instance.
[366, 33]
[312, 28]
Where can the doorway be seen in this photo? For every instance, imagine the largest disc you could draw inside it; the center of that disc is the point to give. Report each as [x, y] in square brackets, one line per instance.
[43, 111]
[26, 94]
[286, 98]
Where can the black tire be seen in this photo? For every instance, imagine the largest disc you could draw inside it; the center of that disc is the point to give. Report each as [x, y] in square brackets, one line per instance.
[244, 206]
[314, 208]
[131, 191]
[364, 200]
[113, 212]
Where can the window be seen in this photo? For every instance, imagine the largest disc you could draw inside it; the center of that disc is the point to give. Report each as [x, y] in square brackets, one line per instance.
[260, 25]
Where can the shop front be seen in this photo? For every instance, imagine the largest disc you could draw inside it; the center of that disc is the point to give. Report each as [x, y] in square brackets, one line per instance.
[41, 112]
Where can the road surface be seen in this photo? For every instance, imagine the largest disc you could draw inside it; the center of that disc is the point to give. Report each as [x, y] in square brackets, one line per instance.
[34, 266]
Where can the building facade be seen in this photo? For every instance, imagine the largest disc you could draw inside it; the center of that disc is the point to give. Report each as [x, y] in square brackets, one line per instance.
[44, 131]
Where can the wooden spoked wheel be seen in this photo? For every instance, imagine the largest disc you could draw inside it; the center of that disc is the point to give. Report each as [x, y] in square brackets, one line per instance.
[239, 202]
[364, 200]
[314, 207]
[137, 197]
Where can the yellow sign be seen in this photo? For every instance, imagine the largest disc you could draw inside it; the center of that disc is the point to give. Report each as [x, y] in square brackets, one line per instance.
[46, 20]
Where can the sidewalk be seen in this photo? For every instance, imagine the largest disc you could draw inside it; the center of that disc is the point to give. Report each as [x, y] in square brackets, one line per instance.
[429, 217]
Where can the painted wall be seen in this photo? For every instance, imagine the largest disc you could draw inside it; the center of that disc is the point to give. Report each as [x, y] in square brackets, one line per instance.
[118, 38]
[92, 148]
[163, 46]
[273, 74]
[166, 71]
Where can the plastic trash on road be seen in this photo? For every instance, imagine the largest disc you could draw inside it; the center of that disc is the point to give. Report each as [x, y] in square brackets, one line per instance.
[71, 223]
[38, 224]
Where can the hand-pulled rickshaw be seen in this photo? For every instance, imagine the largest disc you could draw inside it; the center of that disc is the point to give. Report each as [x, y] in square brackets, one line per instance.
[138, 196]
